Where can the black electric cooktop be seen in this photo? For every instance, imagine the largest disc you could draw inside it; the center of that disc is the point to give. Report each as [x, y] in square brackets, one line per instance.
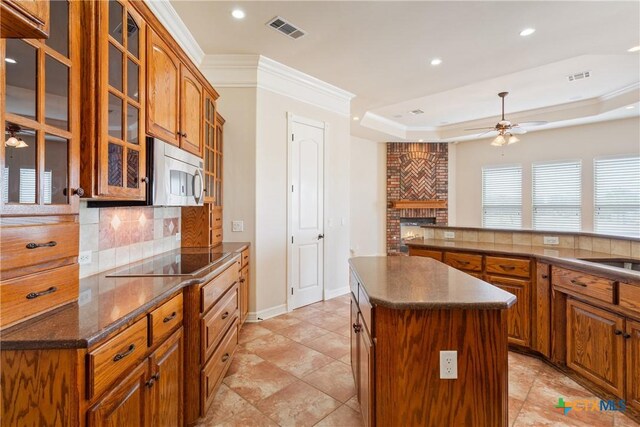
[173, 263]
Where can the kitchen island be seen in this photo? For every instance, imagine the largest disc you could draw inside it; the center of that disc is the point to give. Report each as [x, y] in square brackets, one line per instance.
[404, 312]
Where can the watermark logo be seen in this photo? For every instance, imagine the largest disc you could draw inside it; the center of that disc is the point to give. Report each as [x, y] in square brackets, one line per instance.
[590, 405]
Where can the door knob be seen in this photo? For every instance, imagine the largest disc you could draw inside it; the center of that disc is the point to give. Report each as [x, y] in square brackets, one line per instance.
[320, 236]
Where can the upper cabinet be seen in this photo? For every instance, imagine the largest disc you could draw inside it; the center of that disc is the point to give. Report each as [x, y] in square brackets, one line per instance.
[217, 164]
[163, 95]
[24, 19]
[40, 113]
[114, 159]
[208, 136]
[174, 98]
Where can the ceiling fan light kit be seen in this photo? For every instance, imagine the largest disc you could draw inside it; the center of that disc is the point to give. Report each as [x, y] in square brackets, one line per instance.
[13, 141]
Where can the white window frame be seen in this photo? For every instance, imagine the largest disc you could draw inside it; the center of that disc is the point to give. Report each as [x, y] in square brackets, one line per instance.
[565, 215]
[516, 209]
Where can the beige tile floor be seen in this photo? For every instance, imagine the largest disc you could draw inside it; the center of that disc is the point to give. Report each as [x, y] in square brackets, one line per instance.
[294, 370]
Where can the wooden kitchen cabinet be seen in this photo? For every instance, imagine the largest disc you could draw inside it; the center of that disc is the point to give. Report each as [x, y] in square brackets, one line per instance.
[632, 342]
[365, 374]
[209, 148]
[518, 315]
[355, 370]
[595, 345]
[190, 112]
[542, 310]
[24, 19]
[166, 365]
[39, 111]
[244, 293]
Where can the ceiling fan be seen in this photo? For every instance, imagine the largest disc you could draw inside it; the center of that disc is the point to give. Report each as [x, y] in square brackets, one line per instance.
[507, 130]
[14, 139]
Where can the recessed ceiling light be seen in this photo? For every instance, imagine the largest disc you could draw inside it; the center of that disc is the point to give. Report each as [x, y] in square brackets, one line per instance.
[238, 13]
[10, 60]
[527, 32]
[630, 107]
[436, 61]
[421, 140]
[634, 49]
[356, 118]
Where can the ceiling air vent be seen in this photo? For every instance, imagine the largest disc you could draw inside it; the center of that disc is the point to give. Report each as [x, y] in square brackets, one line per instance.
[416, 111]
[285, 27]
[579, 76]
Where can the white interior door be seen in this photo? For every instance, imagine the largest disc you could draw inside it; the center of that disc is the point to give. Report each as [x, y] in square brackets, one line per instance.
[306, 208]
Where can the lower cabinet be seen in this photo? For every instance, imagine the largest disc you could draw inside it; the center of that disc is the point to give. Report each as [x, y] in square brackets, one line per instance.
[362, 365]
[244, 293]
[151, 395]
[595, 345]
[354, 344]
[632, 336]
[518, 316]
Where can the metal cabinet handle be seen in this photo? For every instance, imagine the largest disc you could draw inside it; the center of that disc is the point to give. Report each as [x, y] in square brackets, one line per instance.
[41, 245]
[121, 356]
[33, 295]
[356, 328]
[579, 283]
[145, 180]
[156, 376]
[617, 332]
[78, 191]
[545, 276]
[150, 383]
[627, 336]
[507, 267]
[242, 280]
[465, 262]
[225, 357]
[225, 314]
[170, 317]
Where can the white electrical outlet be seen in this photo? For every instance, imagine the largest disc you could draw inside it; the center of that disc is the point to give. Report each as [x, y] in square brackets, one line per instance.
[551, 240]
[178, 237]
[449, 234]
[448, 365]
[237, 225]
[84, 257]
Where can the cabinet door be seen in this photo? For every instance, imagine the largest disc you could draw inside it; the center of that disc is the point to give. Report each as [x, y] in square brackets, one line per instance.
[208, 137]
[25, 19]
[595, 345]
[190, 112]
[217, 161]
[167, 389]
[354, 345]
[542, 307]
[366, 376]
[125, 404]
[632, 336]
[518, 315]
[244, 293]
[121, 141]
[163, 91]
[40, 157]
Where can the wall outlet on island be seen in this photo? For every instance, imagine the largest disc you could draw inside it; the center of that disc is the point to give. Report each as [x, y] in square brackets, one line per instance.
[449, 234]
[448, 365]
[237, 225]
[551, 240]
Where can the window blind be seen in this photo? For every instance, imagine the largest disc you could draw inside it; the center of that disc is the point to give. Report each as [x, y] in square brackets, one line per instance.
[617, 196]
[28, 186]
[502, 197]
[557, 196]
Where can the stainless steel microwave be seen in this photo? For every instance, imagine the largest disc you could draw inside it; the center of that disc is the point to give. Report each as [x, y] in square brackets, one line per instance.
[176, 176]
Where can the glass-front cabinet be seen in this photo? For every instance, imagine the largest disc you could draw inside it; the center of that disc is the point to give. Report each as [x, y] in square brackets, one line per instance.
[209, 135]
[40, 112]
[121, 135]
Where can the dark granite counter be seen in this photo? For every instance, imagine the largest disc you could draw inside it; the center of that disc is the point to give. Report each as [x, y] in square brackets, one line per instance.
[423, 283]
[107, 304]
[559, 256]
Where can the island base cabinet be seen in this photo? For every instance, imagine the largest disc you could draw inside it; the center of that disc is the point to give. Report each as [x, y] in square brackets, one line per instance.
[354, 344]
[518, 317]
[633, 363]
[365, 376]
[167, 391]
[595, 344]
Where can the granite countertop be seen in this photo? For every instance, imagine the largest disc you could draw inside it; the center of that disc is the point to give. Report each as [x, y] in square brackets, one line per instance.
[424, 283]
[561, 256]
[106, 304]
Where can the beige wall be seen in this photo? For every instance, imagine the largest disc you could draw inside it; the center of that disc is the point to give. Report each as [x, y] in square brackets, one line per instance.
[583, 142]
[368, 197]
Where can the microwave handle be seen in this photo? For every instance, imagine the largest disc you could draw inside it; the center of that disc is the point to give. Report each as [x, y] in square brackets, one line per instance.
[199, 175]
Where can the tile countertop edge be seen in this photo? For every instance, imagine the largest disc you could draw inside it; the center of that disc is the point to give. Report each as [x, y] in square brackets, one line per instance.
[124, 321]
[530, 251]
[437, 305]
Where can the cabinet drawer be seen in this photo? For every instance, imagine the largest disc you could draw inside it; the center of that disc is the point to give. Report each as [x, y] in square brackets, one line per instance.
[216, 218]
[116, 356]
[365, 309]
[213, 372]
[245, 257]
[428, 253]
[216, 236]
[26, 296]
[462, 261]
[213, 290]
[585, 284]
[508, 266]
[630, 297]
[217, 321]
[36, 244]
[165, 319]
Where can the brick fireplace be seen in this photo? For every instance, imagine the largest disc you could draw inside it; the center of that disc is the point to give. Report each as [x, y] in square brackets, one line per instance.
[417, 175]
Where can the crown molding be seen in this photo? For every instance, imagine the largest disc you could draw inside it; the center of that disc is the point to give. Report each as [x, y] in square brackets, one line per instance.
[168, 16]
[264, 73]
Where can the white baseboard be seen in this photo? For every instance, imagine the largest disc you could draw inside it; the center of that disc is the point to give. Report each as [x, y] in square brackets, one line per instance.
[332, 293]
[268, 313]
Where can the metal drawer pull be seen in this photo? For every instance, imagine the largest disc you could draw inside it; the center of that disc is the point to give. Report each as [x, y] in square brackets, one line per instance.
[627, 336]
[464, 262]
[225, 357]
[242, 280]
[170, 317]
[121, 356]
[33, 295]
[356, 328]
[617, 332]
[41, 245]
[579, 283]
[225, 314]
[545, 276]
[507, 267]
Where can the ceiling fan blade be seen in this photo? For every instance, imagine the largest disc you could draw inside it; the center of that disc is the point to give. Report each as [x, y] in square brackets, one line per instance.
[490, 128]
[489, 131]
[533, 123]
[517, 130]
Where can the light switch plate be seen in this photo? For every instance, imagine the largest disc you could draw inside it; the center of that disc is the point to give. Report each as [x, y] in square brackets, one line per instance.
[178, 236]
[84, 257]
[449, 234]
[551, 240]
[237, 225]
[448, 365]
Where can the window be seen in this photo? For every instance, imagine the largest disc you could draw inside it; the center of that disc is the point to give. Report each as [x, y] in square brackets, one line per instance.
[557, 196]
[617, 196]
[28, 186]
[502, 197]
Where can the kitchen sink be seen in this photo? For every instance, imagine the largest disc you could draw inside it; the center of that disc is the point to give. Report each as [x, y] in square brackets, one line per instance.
[629, 264]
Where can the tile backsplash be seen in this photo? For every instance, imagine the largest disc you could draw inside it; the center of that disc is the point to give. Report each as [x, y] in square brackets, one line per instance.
[118, 236]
